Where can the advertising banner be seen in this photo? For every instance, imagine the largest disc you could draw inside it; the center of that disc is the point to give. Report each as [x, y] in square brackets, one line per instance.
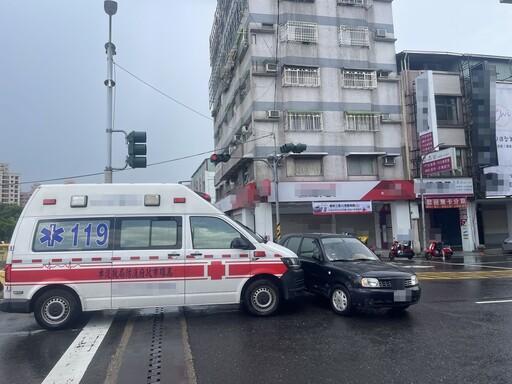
[426, 117]
[343, 207]
[446, 202]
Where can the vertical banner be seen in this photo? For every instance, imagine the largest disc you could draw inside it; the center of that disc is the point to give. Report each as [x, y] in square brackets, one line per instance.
[483, 132]
[426, 117]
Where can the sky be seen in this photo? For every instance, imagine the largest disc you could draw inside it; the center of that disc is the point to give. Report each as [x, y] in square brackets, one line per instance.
[53, 103]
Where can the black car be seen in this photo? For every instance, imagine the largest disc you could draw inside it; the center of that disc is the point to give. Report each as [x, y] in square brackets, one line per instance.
[343, 269]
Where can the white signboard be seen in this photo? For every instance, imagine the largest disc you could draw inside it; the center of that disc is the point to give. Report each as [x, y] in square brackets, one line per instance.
[426, 117]
[341, 207]
[462, 186]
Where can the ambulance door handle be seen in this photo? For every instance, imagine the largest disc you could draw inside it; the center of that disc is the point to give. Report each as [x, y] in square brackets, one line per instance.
[196, 254]
[173, 255]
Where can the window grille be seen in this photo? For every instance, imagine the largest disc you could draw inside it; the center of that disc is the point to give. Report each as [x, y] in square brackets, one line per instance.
[299, 32]
[301, 77]
[359, 79]
[356, 36]
[362, 122]
[303, 121]
[357, 3]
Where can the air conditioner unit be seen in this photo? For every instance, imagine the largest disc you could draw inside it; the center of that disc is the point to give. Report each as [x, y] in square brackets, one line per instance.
[271, 67]
[244, 128]
[389, 160]
[383, 74]
[273, 114]
[385, 117]
[381, 33]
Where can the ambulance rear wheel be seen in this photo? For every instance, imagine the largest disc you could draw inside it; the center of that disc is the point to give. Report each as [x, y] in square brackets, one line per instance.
[262, 298]
[56, 309]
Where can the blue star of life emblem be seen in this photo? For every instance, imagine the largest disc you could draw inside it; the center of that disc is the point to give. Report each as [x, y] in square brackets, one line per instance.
[51, 235]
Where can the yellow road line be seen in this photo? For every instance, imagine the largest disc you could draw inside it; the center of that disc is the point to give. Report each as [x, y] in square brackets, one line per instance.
[464, 275]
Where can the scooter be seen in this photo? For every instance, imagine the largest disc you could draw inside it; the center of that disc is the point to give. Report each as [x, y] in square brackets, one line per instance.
[401, 249]
[434, 250]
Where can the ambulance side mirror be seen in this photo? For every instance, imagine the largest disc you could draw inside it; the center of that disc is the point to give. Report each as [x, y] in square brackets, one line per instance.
[239, 243]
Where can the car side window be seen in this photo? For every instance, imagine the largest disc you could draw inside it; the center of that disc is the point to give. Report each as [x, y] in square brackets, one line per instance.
[212, 233]
[309, 248]
[293, 244]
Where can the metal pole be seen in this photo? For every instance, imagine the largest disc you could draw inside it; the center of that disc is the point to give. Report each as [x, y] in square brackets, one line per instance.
[422, 190]
[276, 183]
[110, 8]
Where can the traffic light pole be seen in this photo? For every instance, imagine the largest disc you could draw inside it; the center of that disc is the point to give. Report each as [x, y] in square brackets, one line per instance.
[111, 9]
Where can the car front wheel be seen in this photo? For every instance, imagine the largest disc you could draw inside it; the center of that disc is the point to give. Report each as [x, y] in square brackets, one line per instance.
[56, 309]
[262, 298]
[340, 301]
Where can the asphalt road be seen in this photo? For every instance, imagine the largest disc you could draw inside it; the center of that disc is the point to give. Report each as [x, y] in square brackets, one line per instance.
[458, 333]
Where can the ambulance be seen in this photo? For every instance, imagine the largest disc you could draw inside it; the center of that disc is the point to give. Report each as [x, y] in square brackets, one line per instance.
[89, 247]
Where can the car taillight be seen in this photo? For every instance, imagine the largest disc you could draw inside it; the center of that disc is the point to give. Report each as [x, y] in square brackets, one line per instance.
[7, 273]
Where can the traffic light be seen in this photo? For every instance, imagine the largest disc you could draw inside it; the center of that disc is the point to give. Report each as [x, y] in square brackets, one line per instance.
[217, 158]
[295, 148]
[137, 149]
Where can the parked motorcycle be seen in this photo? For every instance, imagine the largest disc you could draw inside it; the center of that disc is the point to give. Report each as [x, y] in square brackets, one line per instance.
[435, 250]
[401, 249]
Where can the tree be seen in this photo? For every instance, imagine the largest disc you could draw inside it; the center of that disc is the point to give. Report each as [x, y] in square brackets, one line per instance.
[9, 214]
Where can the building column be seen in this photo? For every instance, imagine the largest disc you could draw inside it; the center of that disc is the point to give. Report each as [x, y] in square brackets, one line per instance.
[263, 221]
[509, 216]
[401, 220]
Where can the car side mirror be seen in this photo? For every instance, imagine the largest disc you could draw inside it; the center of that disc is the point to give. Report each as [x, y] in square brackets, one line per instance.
[317, 256]
[239, 243]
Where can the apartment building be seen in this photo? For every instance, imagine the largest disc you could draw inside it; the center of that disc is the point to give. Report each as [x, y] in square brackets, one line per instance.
[471, 96]
[321, 73]
[9, 185]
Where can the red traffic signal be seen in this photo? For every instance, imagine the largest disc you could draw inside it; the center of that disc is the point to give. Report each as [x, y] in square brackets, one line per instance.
[217, 158]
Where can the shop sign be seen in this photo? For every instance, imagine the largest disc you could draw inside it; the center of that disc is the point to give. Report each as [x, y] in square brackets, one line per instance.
[342, 207]
[439, 161]
[446, 202]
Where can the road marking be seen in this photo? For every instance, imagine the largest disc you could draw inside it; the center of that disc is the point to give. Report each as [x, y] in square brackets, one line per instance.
[493, 302]
[74, 362]
[464, 275]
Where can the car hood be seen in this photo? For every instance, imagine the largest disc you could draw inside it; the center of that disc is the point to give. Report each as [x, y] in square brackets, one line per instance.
[274, 248]
[372, 268]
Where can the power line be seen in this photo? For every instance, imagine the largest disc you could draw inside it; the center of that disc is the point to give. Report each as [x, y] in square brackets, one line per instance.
[162, 93]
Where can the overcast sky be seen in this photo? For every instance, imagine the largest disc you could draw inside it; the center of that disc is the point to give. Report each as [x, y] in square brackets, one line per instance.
[53, 103]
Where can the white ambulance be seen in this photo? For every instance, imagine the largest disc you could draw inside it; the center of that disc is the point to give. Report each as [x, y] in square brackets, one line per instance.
[87, 247]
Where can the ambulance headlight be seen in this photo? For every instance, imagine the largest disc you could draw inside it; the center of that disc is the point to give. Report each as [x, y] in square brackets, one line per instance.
[291, 262]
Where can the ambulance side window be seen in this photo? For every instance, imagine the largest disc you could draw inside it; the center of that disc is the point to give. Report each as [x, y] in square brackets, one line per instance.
[150, 233]
[212, 233]
[73, 234]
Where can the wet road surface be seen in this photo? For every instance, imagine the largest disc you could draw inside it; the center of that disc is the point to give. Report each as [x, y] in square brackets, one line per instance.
[459, 333]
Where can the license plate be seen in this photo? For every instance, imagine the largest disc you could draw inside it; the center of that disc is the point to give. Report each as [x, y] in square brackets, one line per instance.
[402, 295]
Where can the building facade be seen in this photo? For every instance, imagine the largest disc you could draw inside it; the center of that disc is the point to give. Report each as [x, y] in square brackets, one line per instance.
[9, 185]
[322, 73]
[468, 203]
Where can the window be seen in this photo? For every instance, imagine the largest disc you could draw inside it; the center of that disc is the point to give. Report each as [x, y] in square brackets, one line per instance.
[362, 122]
[357, 3]
[359, 79]
[301, 77]
[212, 233]
[309, 248]
[150, 233]
[361, 165]
[305, 166]
[296, 31]
[446, 109]
[71, 235]
[303, 121]
[293, 244]
[357, 36]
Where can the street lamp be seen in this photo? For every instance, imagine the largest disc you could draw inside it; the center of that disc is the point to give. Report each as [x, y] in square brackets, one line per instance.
[422, 192]
[110, 9]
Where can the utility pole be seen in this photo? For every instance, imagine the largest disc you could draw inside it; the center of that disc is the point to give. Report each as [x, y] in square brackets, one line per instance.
[110, 9]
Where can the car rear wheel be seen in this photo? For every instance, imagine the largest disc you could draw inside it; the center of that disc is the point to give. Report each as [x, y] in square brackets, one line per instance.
[262, 298]
[56, 309]
[340, 301]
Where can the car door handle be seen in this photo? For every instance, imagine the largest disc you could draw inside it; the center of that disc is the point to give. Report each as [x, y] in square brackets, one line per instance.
[173, 255]
[196, 254]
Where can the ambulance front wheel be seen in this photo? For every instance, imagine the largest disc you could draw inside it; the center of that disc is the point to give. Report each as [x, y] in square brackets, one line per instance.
[56, 309]
[262, 298]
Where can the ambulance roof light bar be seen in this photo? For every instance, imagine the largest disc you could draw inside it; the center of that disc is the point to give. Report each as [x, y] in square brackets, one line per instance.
[78, 201]
[152, 200]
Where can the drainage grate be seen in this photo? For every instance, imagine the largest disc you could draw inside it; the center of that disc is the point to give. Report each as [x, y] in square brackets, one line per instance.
[155, 354]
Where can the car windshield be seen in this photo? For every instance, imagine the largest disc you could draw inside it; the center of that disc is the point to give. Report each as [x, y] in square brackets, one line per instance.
[346, 249]
[256, 236]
